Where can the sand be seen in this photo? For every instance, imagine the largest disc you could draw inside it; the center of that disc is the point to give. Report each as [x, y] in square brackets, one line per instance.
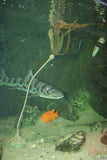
[41, 139]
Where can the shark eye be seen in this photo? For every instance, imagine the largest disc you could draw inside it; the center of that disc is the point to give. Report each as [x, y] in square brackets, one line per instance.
[47, 89]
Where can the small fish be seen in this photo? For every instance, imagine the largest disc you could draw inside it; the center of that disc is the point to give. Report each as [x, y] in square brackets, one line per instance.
[37, 88]
[49, 116]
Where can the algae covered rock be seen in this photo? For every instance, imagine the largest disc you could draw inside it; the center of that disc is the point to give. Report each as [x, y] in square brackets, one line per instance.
[98, 126]
[30, 116]
[73, 111]
[70, 108]
[71, 142]
[80, 99]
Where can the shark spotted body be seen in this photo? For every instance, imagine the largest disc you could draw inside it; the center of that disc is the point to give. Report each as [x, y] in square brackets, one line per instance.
[37, 88]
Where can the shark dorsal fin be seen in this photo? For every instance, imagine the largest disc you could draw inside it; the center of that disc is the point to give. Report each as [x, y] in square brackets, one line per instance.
[28, 76]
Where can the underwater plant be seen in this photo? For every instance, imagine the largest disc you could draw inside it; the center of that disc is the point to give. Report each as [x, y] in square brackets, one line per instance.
[18, 141]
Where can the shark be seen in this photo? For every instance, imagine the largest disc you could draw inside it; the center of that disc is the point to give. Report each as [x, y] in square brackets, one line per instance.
[37, 88]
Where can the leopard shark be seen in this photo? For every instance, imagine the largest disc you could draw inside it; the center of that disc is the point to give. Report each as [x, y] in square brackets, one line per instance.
[37, 88]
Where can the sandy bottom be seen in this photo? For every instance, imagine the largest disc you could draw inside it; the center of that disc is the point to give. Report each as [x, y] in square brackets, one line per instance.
[41, 139]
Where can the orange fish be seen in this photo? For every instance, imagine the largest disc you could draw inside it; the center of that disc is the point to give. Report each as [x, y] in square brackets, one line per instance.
[50, 115]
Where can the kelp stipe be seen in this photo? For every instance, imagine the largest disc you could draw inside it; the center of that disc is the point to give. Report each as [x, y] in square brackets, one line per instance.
[17, 141]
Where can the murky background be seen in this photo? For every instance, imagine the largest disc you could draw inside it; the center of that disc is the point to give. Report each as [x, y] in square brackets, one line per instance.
[25, 45]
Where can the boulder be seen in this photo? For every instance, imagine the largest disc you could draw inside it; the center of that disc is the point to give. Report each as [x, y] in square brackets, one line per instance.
[71, 142]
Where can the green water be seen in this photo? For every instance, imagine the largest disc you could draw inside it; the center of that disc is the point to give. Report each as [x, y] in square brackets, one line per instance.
[80, 76]
[24, 45]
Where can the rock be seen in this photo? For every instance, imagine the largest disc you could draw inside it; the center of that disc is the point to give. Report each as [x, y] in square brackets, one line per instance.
[96, 126]
[103, 139]
[31, 114]
[71, 142]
